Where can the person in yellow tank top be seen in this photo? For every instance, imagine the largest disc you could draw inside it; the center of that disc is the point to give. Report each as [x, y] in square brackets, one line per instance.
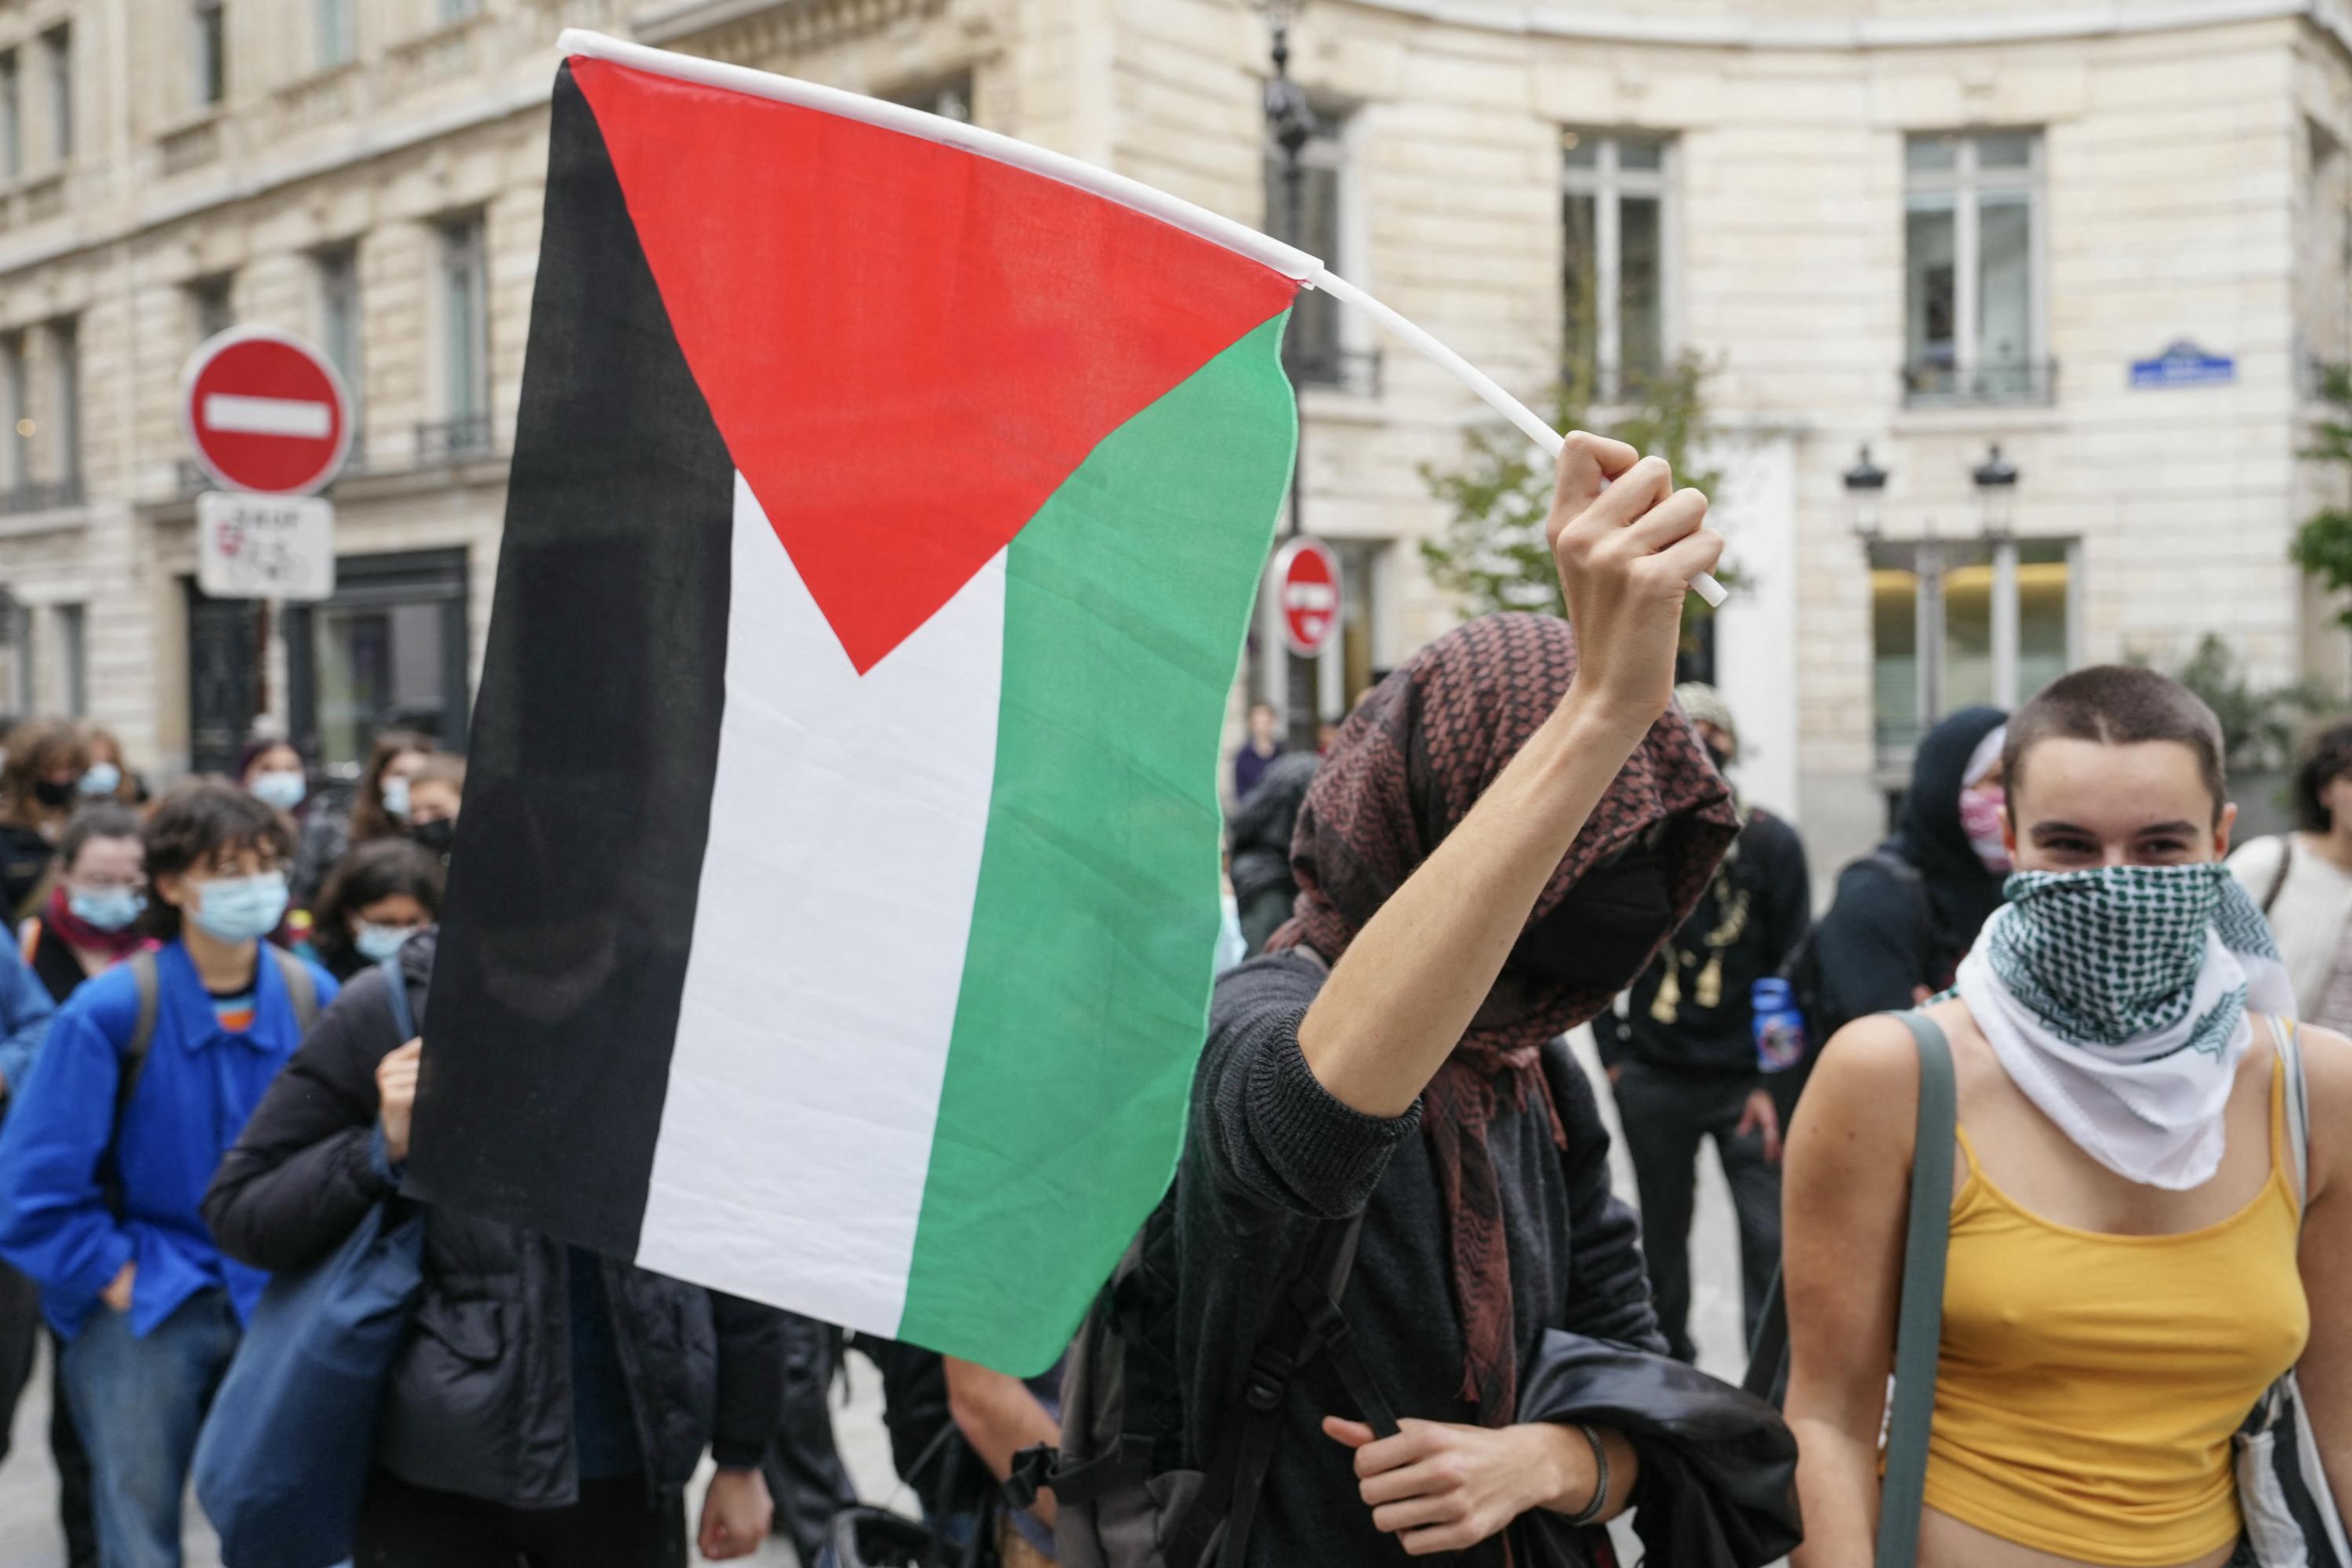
[2124, 1277]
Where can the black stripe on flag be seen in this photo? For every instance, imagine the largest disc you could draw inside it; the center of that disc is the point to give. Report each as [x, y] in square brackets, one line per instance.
[572, 892]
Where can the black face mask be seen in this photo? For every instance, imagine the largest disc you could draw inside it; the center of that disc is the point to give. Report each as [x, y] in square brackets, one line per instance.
[1600, 936]
[48, 792]
[434, 836]
[1718, 756]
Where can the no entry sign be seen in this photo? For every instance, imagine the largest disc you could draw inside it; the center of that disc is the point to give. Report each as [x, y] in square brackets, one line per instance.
[1307, 587]
[265, 411]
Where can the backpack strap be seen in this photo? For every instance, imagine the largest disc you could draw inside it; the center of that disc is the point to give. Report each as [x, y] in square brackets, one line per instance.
[132, 1063]
[301, 989]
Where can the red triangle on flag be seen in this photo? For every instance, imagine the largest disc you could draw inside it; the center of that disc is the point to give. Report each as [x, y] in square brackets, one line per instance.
[907, 347]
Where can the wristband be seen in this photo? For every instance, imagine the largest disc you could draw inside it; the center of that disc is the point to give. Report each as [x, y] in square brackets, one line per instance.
[1599, 1503]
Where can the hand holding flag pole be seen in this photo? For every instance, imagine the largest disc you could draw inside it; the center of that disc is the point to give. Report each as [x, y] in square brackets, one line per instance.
[1478, 380]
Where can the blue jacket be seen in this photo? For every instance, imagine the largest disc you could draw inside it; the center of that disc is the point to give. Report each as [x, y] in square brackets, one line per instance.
[193, 1099]
[24, 1010]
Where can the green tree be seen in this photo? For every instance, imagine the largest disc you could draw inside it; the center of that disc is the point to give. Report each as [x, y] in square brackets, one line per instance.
[2322, 546]
[1492, 555]
[2258, 723]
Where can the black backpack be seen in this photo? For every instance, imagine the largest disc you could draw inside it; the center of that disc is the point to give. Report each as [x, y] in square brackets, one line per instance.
[1124, 1498]
[1804, 969]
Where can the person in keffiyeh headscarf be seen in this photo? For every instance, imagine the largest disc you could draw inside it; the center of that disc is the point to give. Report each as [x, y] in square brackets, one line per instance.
[1498, 841]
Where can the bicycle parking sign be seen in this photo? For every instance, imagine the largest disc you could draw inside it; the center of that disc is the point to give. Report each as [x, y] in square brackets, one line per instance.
[264, 547]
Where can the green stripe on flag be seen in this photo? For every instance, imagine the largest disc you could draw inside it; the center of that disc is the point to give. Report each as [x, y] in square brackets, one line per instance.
[1085, 988]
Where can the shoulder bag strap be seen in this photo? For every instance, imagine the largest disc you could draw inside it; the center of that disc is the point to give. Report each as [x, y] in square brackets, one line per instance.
[148, 978]
[1920, 1327]
[2278, 878]
[395, 993]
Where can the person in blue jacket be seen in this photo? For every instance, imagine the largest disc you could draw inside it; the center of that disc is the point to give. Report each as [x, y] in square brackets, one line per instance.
[150, 1072]
[25, 1008]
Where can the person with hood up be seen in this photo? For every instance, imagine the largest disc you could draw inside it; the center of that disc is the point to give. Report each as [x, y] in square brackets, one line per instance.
[1907, 913]
[1495, 846]
[1258, 845]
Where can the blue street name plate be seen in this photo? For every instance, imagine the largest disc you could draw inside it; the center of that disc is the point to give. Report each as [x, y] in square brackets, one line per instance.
[2184, 364]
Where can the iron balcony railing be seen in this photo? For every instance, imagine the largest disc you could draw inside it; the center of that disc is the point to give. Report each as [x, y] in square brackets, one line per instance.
[1354, 371]
[41, 495]
[2005, 381]
[451, 440]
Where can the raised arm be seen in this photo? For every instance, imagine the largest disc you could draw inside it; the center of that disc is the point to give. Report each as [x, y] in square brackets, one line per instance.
[1401, 997]
[1845, 1190]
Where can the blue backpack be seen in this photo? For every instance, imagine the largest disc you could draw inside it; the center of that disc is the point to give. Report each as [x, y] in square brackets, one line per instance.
[283, 1458]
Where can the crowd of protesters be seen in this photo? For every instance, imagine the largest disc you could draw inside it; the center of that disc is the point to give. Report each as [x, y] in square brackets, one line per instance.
[1391, 1306]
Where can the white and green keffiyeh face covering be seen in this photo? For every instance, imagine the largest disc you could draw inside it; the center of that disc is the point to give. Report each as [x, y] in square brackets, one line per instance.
[2118, 1000]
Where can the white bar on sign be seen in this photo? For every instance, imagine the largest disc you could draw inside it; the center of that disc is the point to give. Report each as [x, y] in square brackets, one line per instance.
[267, 415]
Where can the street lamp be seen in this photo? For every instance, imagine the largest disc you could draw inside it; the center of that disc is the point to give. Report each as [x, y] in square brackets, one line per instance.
[1865, 486]
[1996, 483]
[1291, 119]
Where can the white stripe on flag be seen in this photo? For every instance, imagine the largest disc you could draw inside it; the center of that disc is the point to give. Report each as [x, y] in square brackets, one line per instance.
[846, 821]
[227, 411]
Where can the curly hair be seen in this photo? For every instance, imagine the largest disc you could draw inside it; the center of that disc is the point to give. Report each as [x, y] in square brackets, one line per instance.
[195, 824]
[384, 870]
[105, 819]
[2326, 760]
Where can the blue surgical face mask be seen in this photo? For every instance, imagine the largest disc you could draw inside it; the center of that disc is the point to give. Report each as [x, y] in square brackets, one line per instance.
[375, 943]
[107, 909]
[395, 798]
[103, 778]
[281, 789]
[240, 909]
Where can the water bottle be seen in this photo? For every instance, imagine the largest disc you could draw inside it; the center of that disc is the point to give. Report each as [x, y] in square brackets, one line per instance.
[1779, 1027]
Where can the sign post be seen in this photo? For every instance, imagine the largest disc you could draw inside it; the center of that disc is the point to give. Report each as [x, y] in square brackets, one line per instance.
[270, 421]
[1307, 589]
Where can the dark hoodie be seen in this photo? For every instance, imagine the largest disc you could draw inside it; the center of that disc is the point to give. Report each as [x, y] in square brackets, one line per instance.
[1889, 936]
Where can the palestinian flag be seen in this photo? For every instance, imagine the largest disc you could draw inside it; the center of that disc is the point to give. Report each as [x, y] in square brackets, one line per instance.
[832, 916]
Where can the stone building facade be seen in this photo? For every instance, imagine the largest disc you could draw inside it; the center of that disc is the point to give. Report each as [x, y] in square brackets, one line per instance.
[1926, 227]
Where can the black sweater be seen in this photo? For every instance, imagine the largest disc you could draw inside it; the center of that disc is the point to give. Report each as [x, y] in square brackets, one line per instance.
[1763, 891]
[479, 1401]
[1270, 1154]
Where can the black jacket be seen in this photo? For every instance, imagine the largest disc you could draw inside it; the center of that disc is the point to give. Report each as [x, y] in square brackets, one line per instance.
[1751, 917]
[1270, 1156]
[1890, 936]
[480, 1399]
[1259, 837]
[25, 856]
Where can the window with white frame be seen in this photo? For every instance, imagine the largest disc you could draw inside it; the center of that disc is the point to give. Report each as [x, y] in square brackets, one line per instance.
[1956, 622]
[212, 307]
[208, 51]
[71, 626]
[1315, 348]
[465, 321]
[1972, 271]
[57, 56]
[17, 381]
[65, 399]
[12, 115]
[1618, 221]
[334, 32]
[339, 322]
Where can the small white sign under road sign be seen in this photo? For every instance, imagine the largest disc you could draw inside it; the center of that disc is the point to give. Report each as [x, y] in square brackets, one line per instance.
[264, 547]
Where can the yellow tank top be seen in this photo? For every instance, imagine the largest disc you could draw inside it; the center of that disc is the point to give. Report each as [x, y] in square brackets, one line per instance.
[2089, 1383]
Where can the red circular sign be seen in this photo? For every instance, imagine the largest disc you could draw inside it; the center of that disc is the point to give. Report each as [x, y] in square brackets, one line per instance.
[265, 411]
[1307, 585]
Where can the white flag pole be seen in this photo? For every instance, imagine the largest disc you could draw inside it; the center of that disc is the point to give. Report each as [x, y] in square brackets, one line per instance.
[1477, 380]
